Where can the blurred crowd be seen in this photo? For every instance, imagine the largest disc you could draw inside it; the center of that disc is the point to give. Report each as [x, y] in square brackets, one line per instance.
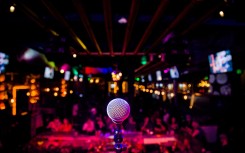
[148, 116]
[191, 137]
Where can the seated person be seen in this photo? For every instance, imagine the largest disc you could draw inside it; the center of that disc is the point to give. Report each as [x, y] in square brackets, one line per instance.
[186, 124]
[110, 126]
[224, 145]
[130, 124]
[159, 127]
[198, 135]
[100, 125]
[197, 131]
[55, 125]
[66, 126]
[173, 124]
[148, 125]
[88, 127]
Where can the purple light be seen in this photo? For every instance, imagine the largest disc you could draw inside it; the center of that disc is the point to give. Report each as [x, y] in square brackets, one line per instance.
[122, 20]
[166, 70]
[65, 67]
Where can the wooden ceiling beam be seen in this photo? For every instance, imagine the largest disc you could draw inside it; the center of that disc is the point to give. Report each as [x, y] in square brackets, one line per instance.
[150, 68]
[131, 20]
[108, 24]
[201, 19]
[109, 54]
[34, 17]
[177, 20]
[60, 18]
[82, 13]
[162, 6]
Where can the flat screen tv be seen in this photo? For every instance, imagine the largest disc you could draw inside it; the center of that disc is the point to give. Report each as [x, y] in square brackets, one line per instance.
[67, 75]
[4, 60]
[158, 75]
[174, 73]
[48, 73]
[150, 78]
[220, 62]
[142, 78]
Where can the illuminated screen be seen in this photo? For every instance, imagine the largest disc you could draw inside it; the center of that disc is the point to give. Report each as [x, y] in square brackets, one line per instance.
[158, 75]
[49, 73]
[142, 78]
[4, 60]
[67, 75]
[220, 62]
[174, 73]
[149, 77]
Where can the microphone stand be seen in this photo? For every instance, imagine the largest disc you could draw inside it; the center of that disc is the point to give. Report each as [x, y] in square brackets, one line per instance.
[118, 138]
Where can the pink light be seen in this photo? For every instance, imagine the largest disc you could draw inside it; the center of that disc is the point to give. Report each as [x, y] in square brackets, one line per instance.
[122, 20]
[65, 67]
[168, 37]
[166, 70]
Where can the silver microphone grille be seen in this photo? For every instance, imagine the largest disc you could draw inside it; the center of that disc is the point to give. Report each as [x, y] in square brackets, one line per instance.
[118, 110]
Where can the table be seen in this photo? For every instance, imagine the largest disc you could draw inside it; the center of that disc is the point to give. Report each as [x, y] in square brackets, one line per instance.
[158, 139]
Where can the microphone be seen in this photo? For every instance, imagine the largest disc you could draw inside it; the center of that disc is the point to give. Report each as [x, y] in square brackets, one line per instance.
[118, 110]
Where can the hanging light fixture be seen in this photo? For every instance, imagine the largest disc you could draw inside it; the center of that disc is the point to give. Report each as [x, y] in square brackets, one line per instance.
[116, 74]
[12, 8]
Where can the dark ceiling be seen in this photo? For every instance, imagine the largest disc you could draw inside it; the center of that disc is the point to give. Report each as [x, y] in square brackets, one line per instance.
[185, 31]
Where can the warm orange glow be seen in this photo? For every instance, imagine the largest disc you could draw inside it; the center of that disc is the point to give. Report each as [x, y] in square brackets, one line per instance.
[33, 100]
[33, 80]
[39, 143]
[185, 97]
[124, 87]
[12, 100]
[3, 95]
[2, 77]
[47, 89]
[33, 92]
[14, 93]
[56, 89]
[55, 94]
[113, 87]
[2, 87]
[116, 76]
[33, 86]
[2, 106]
[63, 88]
[203, 83]
[23, 113]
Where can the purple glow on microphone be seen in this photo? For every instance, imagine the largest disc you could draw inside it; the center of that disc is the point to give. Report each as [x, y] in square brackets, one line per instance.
[118, 110]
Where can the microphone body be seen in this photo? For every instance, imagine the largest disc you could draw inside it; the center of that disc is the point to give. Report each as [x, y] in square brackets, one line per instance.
[118, 110]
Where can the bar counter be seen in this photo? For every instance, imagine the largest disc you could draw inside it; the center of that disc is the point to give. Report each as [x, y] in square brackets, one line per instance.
[66, 142]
